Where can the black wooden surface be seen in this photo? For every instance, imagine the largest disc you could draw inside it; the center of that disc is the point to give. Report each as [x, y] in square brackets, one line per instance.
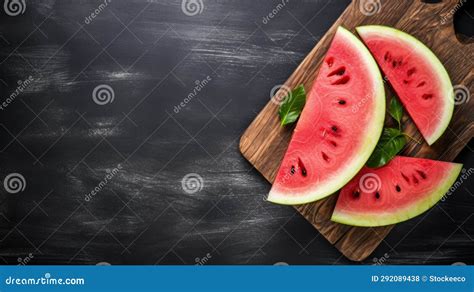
[151, 54]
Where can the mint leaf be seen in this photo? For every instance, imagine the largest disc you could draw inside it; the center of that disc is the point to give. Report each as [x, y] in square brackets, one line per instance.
[396, 110]
[391, 142]
[292, 105]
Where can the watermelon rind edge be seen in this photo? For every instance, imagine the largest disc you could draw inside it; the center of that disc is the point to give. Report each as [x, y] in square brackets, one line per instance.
[433, 60]
[383, 219]
[369, 143]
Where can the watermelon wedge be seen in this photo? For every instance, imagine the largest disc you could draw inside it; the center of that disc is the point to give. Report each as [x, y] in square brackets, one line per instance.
[398, 191]
[416, 74]
[338, 128]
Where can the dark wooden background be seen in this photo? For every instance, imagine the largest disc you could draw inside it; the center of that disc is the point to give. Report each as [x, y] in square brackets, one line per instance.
[151, 54]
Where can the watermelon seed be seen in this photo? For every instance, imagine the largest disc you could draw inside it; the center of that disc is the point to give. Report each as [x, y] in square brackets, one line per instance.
[405, 177]
[387, 56]
[422, 83]
[422, 174]
[405, 81]
[411, 71]
[334, 128]
[341, 81]
[397, 187]
[333, 143]
[356, 194]
[394, 64]
[377, 195]
[292, 171]
[325, 156]
[330, 61]
[339, 71]
[427, 96]
[415, 180]
[342, 102]
[302, 167]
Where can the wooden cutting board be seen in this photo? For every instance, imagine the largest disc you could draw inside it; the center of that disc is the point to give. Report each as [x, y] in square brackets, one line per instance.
[264, 143]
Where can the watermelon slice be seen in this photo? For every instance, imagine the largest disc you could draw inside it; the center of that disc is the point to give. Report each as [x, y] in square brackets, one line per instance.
[338, 128]
[416, 74]
[398, 191]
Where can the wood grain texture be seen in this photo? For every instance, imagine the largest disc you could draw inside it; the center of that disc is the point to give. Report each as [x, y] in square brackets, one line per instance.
[264, 142]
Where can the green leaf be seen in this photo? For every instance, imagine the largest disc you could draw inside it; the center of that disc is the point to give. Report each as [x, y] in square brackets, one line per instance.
[396, 110]
[391, 142]
[292, 105]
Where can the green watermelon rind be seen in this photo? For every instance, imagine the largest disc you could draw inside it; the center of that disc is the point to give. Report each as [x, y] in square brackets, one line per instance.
[374, 132]
[415, 209]
[439, 68]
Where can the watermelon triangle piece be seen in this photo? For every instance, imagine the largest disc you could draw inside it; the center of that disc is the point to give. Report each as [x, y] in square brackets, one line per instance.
[416, 74]
[402, 189]
[338, 128]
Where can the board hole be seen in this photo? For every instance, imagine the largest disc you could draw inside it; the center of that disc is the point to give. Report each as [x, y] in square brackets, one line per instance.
[341, 81]
[464, 22]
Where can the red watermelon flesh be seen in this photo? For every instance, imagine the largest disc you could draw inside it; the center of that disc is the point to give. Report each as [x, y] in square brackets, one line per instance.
[398, 191]
[416, 74]
[338, 128]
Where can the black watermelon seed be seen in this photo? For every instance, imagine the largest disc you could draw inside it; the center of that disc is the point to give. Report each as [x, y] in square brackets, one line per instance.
[334, 128]
[397, 187]
[377, 195]
[292, 171]
[356, 194]
[342, 101]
